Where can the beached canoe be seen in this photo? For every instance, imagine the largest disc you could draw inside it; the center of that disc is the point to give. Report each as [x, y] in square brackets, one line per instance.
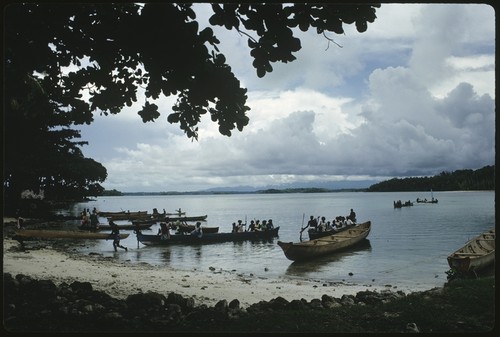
[152, 240]
[105, 227]
[475, 255]
[314, 234]
[326, 245]
[34, 234]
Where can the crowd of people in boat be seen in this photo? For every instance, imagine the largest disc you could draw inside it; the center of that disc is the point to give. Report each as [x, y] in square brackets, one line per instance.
[254, 226]
[399, 204]
[319, 224]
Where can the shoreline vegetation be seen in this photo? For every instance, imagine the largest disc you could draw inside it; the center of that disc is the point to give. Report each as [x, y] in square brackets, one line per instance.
[482, 179]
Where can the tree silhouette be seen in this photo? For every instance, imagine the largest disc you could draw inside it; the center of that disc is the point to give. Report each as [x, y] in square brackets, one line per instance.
[92, 58]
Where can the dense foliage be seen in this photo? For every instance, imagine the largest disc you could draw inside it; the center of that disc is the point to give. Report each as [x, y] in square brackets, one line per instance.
[460, 180]
[65, 62]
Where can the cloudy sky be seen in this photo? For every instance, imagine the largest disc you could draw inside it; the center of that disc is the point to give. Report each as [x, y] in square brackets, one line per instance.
[412, 96]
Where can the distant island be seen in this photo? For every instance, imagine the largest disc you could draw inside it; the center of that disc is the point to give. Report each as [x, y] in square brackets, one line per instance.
[460, 180]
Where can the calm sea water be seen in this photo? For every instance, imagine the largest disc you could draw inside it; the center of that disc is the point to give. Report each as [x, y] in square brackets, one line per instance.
[406, 247]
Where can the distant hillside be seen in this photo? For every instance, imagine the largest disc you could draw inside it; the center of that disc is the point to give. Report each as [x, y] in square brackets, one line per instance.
[460, 180]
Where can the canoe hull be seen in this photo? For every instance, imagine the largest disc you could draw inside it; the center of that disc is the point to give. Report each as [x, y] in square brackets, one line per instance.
[313, 234]
[156, 240]
[307, 250]
[475, 255]
[34, 234]
[120, 227]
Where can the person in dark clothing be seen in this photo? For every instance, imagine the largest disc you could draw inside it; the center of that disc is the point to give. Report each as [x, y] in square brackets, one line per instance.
[352, 216]
[115, 234]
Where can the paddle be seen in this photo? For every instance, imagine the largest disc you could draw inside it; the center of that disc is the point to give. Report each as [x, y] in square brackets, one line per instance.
[302, 226]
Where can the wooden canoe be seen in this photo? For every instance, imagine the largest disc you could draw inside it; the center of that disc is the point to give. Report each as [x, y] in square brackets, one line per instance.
[33, 234]
[475, 255]
[188, 218]
[110, 214]
[105, 227]
[314, 234]
[185, 228]
[326, 245]
[156, 240]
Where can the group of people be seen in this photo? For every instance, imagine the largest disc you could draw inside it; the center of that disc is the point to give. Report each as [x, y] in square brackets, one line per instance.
[164, 230]
[320, 224]
[255, 225]
[90, 219]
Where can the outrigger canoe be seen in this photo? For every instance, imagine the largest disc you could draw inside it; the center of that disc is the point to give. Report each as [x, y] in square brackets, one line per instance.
[326, 245]
[156, 240]
[33, 234]
[475, 255]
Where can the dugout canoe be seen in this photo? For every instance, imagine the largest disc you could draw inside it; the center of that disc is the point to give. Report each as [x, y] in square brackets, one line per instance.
[306, 250]
[188, 218]
[121, 213]
[132, 226]
[34, 234]
[185, 228]
[314, 234]
[475, 255]
[156, 240]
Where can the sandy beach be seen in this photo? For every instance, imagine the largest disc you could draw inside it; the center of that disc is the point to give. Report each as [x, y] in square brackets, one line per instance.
[120, 279]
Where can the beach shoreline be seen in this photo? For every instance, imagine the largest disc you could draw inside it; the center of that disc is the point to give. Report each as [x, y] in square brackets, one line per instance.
[121, 278]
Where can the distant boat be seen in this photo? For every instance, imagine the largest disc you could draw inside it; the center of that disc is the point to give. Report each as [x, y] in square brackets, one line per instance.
[34, 234]
[399, 204]
[425, 201]
[307, 250]
[475, 255]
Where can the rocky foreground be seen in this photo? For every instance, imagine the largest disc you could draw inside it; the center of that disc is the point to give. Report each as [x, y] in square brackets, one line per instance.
[32, 305]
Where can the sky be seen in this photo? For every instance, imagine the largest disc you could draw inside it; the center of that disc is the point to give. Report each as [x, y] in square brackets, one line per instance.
[414, 95]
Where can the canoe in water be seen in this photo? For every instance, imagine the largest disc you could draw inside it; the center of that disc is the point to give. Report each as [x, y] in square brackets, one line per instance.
[33, 234]
[326, 245]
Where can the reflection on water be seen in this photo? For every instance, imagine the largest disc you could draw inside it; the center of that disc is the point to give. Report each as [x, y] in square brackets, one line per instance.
[303, 268]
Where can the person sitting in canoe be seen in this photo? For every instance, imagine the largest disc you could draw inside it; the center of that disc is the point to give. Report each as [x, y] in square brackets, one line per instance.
[322, 225]
[240, 226]
[257, 225]
[198, 232]
[251, 228]
[270, 224]
[164, 231]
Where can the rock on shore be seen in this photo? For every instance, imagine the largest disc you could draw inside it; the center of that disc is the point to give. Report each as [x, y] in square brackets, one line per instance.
[41, 305]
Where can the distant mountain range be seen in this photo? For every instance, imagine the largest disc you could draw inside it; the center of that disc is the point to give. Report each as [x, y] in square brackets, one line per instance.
[325, 185]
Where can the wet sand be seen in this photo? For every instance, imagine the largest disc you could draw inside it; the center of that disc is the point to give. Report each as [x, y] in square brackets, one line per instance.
[120, 279]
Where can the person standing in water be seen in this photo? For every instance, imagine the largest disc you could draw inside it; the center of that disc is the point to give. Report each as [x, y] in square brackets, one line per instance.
[115, 234]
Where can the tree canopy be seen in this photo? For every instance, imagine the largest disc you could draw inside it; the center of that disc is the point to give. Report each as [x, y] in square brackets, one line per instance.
[459, 180]
[66, 62]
